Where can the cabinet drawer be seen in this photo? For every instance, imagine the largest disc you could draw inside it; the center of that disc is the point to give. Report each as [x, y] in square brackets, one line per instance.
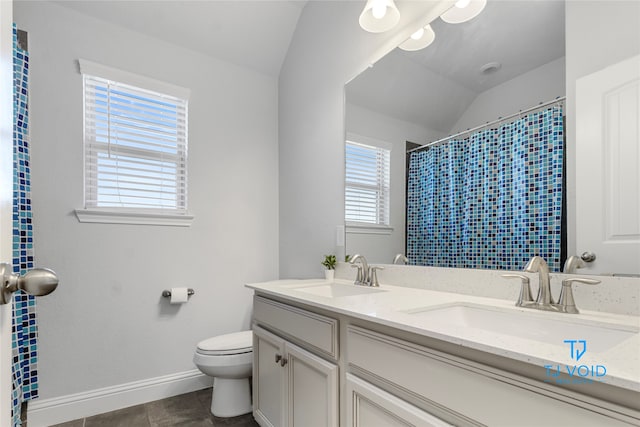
[314, 331]
[463, 392]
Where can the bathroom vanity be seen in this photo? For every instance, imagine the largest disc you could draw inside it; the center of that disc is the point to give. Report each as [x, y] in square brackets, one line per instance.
[332, 353]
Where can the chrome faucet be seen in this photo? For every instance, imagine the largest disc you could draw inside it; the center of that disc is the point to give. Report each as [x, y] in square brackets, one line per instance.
[544, 301]
[538, 265]
[362, 277]
[400, 259]
[572, 264]
[367, 275]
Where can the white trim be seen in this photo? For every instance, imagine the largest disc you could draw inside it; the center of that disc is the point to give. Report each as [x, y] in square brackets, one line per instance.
[110, 73]
[104, 216]
[362, 228]
[46, 412]
[360, 139]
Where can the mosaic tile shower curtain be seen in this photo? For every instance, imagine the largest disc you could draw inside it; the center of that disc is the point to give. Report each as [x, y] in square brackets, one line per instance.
[24, 327]
[492, 200]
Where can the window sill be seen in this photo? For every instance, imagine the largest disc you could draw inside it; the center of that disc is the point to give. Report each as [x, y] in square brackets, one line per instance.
[137, 218]
[355, 228]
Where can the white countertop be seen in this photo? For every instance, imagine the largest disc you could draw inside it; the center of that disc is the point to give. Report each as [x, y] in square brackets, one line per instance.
[394, 305]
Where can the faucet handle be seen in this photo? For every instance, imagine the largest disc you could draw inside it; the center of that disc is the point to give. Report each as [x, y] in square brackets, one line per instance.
[566, 303]
[525, 290]
[373, 275]
[400, 259]
[359, 276]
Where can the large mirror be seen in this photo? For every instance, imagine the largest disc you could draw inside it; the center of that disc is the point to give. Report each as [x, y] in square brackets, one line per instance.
[507, 59]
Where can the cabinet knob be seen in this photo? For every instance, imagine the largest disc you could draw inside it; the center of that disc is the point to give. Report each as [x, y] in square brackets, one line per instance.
[283, 361]
[278, 358]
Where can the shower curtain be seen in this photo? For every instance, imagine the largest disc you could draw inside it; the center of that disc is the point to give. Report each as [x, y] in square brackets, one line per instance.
[24, 326]
[491, 200]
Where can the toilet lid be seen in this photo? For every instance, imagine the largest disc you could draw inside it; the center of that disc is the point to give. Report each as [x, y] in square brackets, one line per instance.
[235, 343]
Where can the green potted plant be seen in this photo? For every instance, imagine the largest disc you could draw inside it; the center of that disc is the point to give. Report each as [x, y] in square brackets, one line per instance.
[329, 264]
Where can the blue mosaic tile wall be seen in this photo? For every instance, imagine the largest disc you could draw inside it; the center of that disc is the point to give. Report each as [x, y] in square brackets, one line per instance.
[492, 200]
[24, 327]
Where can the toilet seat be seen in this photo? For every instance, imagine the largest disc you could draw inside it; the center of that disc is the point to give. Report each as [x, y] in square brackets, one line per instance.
[226, 345]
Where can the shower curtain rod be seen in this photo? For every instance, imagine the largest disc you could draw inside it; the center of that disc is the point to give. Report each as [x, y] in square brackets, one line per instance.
[488, 124]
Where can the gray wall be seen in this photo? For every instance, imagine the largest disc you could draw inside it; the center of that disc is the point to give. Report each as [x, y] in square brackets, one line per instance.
[541, 84]
[106, 324]
[381, 248]
[328, 49]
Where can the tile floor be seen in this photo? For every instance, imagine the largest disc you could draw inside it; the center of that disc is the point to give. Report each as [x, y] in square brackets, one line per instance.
[188, 410]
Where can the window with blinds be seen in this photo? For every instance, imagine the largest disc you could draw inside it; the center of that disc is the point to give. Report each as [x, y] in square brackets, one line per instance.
[135, 144]
[367, 184]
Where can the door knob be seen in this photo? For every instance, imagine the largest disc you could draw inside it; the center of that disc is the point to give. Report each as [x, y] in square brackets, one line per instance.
[37, 282]
[588, 256]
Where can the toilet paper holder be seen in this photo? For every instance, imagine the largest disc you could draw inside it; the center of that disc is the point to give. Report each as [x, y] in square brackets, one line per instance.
[167, 293]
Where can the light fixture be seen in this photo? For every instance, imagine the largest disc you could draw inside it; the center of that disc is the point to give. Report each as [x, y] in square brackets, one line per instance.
[379, 16]
[419, 40]
[463, 11]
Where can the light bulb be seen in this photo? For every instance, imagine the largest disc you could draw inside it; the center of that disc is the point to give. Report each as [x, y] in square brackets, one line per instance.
[379, 10]
[419, 40]
[463, 11]
[378, 16]
[418, 34]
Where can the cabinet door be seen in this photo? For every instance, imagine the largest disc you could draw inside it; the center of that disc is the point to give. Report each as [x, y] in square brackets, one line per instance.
[367, 405]
[269, 386]
[312, 389]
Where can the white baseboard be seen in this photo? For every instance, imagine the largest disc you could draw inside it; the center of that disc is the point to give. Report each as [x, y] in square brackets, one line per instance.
[46, 412]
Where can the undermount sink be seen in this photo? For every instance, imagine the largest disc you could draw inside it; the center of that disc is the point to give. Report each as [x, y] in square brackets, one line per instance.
[536, 326]
[336, 290]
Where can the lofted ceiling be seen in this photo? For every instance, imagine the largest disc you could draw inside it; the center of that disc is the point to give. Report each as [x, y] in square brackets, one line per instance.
[434, 86]
[255, 34]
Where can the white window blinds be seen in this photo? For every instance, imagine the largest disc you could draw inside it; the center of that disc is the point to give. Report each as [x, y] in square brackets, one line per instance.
[367, 184]
[135, 145]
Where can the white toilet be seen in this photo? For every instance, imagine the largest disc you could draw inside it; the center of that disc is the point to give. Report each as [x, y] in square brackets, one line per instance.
[228, 359]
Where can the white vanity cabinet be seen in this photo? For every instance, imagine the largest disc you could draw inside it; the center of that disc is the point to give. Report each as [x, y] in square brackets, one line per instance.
[305, 375]
[461, 391]
[292, 386]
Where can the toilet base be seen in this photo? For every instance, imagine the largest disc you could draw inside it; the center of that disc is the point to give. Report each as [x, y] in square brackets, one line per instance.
[231, 397]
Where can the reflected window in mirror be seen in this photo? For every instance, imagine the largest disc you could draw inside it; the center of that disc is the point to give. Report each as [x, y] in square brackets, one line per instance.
[367, 189]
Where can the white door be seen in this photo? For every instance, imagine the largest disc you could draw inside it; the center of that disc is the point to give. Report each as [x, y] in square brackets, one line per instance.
[608, 167]
[269, 392]
[6, 197]
[312, 389]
